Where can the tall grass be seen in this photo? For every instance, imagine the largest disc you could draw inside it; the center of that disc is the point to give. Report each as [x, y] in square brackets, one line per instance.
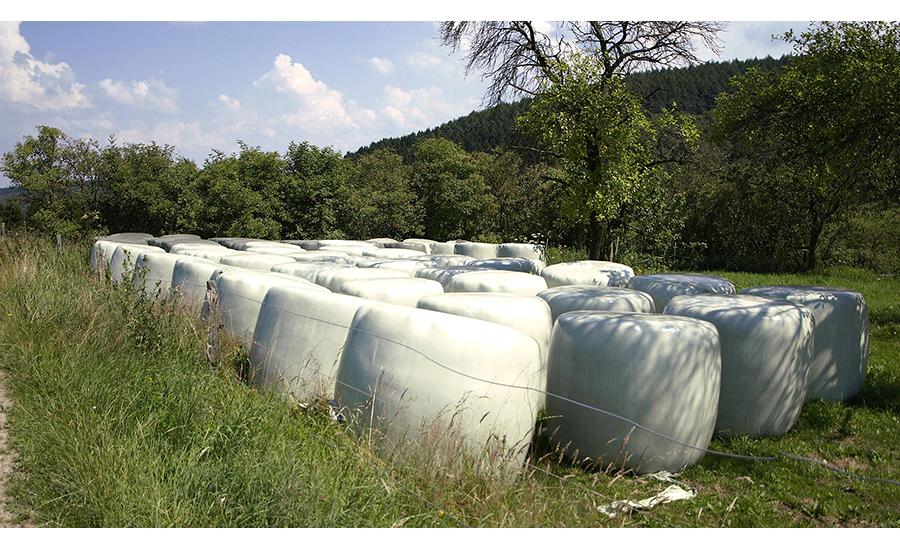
[119, 421]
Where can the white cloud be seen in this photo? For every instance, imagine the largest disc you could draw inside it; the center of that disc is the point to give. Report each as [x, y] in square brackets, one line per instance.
[383, 66]
[319, 102]
[27, 81]
[422, 60]
[150, 94]
[421, 107]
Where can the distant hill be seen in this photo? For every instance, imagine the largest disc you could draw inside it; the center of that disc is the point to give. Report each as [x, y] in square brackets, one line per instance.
[7, 193]
[692, 90]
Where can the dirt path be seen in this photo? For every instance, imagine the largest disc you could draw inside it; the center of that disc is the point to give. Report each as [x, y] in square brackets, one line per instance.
[7, 458]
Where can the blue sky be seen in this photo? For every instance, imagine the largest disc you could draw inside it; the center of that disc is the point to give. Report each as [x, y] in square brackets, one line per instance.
[201, 86]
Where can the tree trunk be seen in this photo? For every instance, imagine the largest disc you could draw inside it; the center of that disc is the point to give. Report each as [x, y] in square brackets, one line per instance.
[813, 244]
[599, 237]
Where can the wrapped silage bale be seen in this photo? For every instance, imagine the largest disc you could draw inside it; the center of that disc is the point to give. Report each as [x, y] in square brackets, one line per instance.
[102, 252]
[231, 242]
[568, 298]
[298, 341]
[479, 251]
[523, 265]
[381, 242]
[198, 245]
[241, 294]
[529, 315]
[403, 291]
[326, 257]
[840, 341]
[497, 281]
[132, 238]
[308, 245]
[444, 249]
[246, 244]
[346, 244]
[166, 241]
[212, 254]
[334, 279]
[587, 272]
[308, 270]
[262, 262]
[122, 261]
[766, 353]
[443, 275]
[392, 253]
[629, 390]
[441, 383]
[190, 276]
[448, 260]
[664, 286]
[523, 250]
[273, 248]
[153, 273]
[411, 266]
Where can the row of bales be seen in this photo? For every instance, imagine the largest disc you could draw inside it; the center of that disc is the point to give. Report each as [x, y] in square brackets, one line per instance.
[471, 341]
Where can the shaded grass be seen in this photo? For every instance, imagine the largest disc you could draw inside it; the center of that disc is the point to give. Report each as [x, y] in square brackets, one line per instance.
[120, 422]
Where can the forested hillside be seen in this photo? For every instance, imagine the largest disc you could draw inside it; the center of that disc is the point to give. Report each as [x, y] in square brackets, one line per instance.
[691, 90]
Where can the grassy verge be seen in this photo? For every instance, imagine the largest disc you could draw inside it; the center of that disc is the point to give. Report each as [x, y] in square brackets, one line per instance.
[119, 422]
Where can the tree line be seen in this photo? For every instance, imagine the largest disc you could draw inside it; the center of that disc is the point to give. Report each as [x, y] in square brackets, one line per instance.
[762, 165]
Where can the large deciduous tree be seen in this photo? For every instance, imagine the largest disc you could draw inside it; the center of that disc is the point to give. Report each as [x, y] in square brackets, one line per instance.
[583, 114]
[828, 124]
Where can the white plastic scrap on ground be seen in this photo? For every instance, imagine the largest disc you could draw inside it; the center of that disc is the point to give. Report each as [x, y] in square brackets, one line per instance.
[670, 494]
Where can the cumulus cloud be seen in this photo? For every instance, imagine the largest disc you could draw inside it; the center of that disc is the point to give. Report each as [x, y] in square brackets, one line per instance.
[318, 100]
[383, 66]
[422, 60]
[27, 81]
[420, 107]
[150, 94]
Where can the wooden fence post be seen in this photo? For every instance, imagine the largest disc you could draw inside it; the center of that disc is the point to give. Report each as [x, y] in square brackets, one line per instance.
[2, 229]
[213, 348]
[58, 244]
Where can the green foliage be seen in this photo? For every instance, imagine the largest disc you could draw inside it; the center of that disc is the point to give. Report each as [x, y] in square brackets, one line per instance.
[315, 192]
[455, 198]
[381, 200]
[828, 123]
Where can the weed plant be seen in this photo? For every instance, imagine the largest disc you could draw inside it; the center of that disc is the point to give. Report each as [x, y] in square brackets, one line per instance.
[120, 422]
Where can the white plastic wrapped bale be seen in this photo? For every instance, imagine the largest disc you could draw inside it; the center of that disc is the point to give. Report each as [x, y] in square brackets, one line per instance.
[325, 256]
[212, 254]
[568, 298]
[246, 244]
[523, 265]
[133, 238]
[443, 382]
[346, 244]
[443, 275]
[166, 241]
[232, 242]
[655, 373]
[262, 262]
[274, 248]
[664, 286]
[411, 267]
[587, 272]
[403, 291]
[307, 245]
[241, 294]
[444, 249]
[766, 353]
[497, 281]
[334, 279]
[392, 253]
[381, 242]
[523, 250]
[153, 273]
[123, 259]
[308, 270]
[478, 251]
[198, 245]
[841, 340]
[448, 260]
[298, 341]
[190, 276]
[529, 315]
[102, 253]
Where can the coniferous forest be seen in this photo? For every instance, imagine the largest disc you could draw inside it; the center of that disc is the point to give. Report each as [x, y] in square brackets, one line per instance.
[731, 168]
